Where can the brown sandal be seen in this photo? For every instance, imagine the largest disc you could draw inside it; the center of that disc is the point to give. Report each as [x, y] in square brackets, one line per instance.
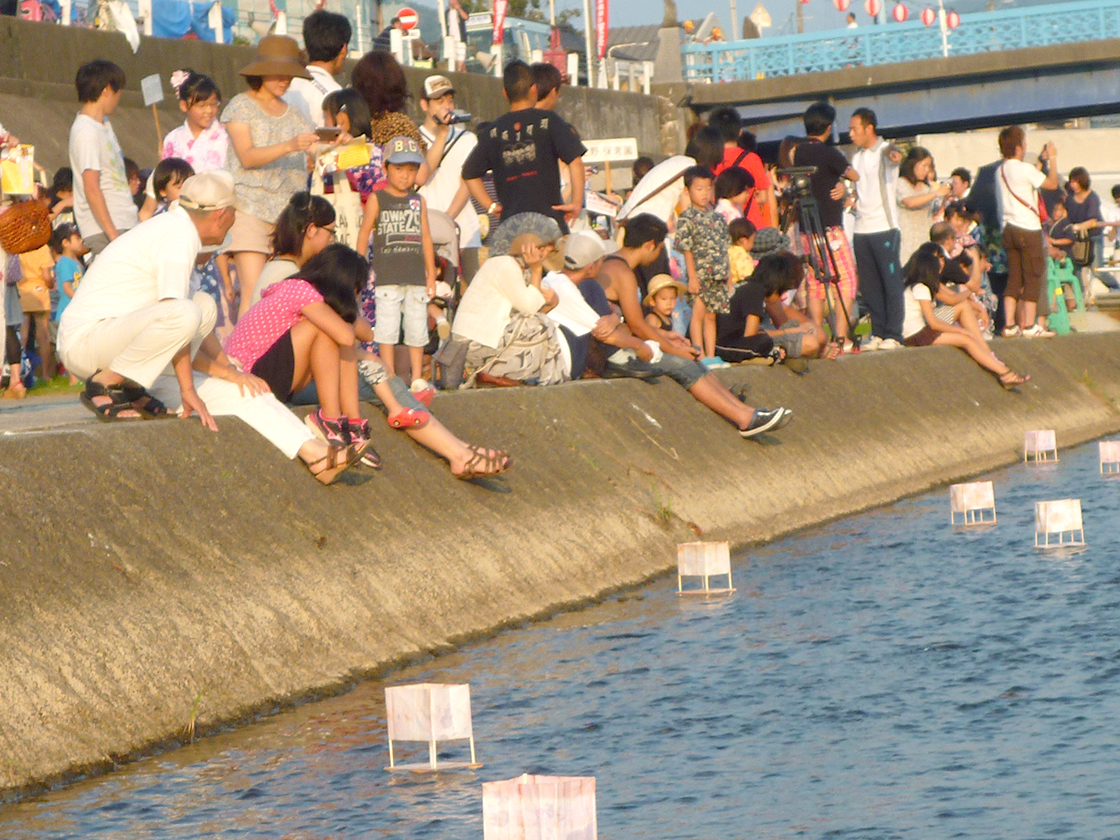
[339, 458]
[483, 464]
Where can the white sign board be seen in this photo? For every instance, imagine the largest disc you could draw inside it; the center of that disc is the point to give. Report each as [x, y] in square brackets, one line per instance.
[618, 150]
[152, 88]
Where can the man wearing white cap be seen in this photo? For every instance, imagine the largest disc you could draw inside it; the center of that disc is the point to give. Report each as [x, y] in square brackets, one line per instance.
[132, 318]
[578, 290]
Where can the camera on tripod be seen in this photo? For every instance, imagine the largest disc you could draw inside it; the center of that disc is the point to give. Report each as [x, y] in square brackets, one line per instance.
[799, 182]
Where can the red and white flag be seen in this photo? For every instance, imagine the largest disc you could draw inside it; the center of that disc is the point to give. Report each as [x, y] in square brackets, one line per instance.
[500, 7]
[602, 26]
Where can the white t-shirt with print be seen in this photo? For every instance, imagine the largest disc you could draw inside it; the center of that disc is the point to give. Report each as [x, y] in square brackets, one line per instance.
[150, 263]
[1023, 180]
[440, 190]
[913, 320]
[94, 146]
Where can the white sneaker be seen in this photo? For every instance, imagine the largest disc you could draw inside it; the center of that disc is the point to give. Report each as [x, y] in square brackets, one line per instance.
[889, 344]
[1012, 332]
[1038, 331]
[873, 343]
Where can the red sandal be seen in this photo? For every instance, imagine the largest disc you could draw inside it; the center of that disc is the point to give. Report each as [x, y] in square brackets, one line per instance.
[409, 418]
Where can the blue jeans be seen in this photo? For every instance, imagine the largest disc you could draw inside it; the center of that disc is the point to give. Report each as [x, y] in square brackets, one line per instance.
[880, 281]
[685, 372]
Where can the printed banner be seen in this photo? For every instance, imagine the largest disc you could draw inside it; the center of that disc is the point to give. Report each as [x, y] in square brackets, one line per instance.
[500, 7]
[602, 27]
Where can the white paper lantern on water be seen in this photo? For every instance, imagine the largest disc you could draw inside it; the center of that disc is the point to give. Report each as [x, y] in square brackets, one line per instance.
[540, 808]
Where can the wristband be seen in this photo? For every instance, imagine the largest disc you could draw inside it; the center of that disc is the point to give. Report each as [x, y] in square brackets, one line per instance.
[490, 209]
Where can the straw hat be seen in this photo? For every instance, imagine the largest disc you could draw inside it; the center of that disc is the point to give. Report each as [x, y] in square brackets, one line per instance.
[277, 55]
[659, 282]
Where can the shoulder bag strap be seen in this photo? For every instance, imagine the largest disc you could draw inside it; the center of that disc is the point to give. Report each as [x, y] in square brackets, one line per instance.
[1003, 175]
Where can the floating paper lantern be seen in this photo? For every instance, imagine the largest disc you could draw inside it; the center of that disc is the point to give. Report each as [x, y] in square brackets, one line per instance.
[972, 501]
[540, 808]
[952, 20]
[928, 16]
[703, 560]
[900, 13]
[1061, 518]
[1110, 457]
[1040, 446]
[429, 712]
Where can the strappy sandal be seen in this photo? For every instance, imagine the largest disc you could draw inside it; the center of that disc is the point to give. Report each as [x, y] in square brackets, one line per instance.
[1011, 379]
[149, 407]
[112, 410]
[409, 418]
[338, 459]
[484, 464]
[830, 351]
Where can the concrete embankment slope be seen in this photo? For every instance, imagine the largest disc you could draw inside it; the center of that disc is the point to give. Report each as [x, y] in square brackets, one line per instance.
[146, 566]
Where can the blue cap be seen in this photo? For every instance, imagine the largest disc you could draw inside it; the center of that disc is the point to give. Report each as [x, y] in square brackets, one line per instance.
[403, 150]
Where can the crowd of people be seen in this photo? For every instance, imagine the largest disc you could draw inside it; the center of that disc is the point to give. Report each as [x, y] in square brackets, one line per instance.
[305, 243]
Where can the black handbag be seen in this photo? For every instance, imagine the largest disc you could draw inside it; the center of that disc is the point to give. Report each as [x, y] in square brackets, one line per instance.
[1081, 252]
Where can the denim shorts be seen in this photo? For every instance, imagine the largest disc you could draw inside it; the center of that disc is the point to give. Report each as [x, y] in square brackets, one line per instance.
[391, 302]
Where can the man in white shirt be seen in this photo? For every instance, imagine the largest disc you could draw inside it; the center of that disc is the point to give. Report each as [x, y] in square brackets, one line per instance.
[133, 316]
[448, 148]
[1017, 184]
[876, 237]
[326, 37]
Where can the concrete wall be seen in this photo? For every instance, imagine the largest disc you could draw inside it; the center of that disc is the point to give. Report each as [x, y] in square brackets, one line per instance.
[146, 565]
[37, 100]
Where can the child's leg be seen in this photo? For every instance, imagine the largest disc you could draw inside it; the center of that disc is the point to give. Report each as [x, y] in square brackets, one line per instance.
[249, 266]
[388, 398]
[387, 330]
[348, 381]
[696, 328]
[978, 350]
[317, 357]
[709, 334]
[416, 329]
[43, 339]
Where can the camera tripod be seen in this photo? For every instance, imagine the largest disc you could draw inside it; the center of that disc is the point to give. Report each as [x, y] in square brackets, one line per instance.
[803, 207]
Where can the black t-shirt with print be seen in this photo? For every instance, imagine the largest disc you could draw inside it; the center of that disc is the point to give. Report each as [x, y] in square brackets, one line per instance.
[522, 148]
[831, 165]
[749, 299]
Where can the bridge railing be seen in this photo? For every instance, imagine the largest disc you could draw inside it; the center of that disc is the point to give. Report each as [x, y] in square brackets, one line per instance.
[898, 43]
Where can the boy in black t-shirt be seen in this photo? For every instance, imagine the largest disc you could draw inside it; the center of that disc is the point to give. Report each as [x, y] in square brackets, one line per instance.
[522, 148]
[831, 166]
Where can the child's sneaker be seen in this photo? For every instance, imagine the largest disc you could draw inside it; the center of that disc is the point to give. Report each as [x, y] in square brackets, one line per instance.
[328, 430]
[360, 431]
[443, 328]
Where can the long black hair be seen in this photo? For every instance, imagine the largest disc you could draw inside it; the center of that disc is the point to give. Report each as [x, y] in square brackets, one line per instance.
[301, 212]
[924, 267]
[337, 272]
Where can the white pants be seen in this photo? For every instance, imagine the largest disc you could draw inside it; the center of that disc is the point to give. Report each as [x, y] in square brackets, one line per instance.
[140, 344]
[265, 414]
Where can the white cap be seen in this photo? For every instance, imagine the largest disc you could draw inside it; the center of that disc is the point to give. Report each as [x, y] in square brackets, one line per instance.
[585, 247]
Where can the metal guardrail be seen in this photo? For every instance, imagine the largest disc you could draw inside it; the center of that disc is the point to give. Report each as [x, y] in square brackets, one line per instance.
[898, 43]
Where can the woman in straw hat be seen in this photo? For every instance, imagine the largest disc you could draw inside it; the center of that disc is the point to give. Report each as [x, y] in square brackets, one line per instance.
[271, 143]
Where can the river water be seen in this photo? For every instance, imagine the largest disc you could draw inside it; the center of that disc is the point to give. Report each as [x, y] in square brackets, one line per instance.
[879, 677]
